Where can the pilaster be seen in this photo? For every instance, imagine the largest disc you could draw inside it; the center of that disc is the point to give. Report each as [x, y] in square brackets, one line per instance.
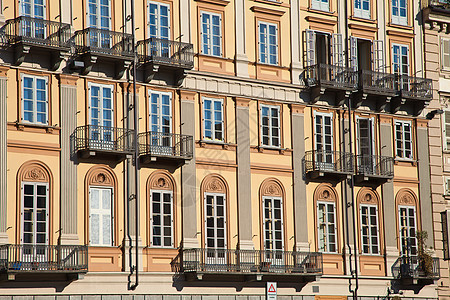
[241, 59]
[3, 156]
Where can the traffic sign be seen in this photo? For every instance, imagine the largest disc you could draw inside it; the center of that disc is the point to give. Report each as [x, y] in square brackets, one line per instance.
[271, 291]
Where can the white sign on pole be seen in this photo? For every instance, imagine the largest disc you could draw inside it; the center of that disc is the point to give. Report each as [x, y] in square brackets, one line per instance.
[271, 291]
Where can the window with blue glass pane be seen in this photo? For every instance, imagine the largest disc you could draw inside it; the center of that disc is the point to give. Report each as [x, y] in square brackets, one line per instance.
[320, 5]
[99, 14]
[159, 29]
[34, 100]
[101, 113]
[213, 119]
[270, 126]
[160, 119]
[399, 12]
[268, 44]
[211, 34]
[362, 9]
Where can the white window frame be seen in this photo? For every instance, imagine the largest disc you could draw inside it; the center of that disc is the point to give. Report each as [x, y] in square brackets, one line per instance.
[35, 210]
[159, 110]
[369, 225]
[320, 5]
[209, 34]
[446, 185]
[215, 195]
[33, 13]
[98, 15]
[446, 131]
[372, 121]
[327, 222]
[273, 220]
[161, 215]
[400, 235]
[404, 142]
[270, 126]
[101, 244]
[397, 19]
[213, 119]
[400, 59]
[361, 12]
[267, 45]
[101, 87]
[445, 57]
[34, 100]
[158, 18]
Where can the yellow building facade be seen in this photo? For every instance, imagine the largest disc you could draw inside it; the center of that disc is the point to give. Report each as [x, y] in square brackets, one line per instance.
[275, 141]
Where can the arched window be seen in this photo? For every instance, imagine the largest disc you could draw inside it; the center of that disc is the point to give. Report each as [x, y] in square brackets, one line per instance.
[369, 221]
[325, 198]
[101, 205]
[214, 190]
[161, 187]
[35, 186]
[406, 201]
[272, 194]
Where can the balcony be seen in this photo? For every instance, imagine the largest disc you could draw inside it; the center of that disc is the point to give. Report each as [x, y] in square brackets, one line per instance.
[165, 147]
[374, 168]
[155, 54]
[376, 85]
[250, 265]
[323, 77]
[93, 43]
[25, 32]
[30, 262]
[102, 144]
[328, 164]
[412, 270]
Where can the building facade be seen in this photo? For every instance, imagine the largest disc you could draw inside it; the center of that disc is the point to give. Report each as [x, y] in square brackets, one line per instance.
[263, 141]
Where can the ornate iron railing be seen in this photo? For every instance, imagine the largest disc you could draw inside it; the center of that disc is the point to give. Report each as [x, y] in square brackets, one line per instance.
[414, 87]
[102, 138]
[248, 261]
[329, 161]
[377, 82]
[166, 144]
[162, 51]
[103, 42]
[37, 32]
[375, 165]
[337, 77]
[444, 4]
[415, 268]
[43, 258]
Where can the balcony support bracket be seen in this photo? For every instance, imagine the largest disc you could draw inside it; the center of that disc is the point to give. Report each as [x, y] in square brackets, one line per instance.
[120, 68]
[21, 51]
[381, 103]
[396, 103]
[419, 107]
[316, 93]
[89, 60]
[57, 58]
[150, 71]
[341, 97]
[359, 98]
[179, 77]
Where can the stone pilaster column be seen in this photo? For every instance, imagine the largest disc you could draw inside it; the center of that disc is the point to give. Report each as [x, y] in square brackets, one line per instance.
[3, 157]
[241, 56]
[68, 122]
[296, 45]
[185, 21]
[243, 175]
[188, 176]
[300, 205]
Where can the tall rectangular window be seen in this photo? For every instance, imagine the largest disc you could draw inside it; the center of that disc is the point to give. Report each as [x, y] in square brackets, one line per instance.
[162, 219]
[362, 8]
[320, 5]
[403, 139]
[369, 229]
[34, 213]
[101, 111]
[211, 33]
[270, 126]
[445, 54]
[446, 129]
[35, 99]
[366, 161]
[273, 223]
[160, 112]
[33, 8]
[268, 43]
[399, 12]
[159, 20]
[99, 14]
[326, 227]
[323, 139]
[213, 120]
[215, 221]
[407, 228]
[400, 61]
[100, 216]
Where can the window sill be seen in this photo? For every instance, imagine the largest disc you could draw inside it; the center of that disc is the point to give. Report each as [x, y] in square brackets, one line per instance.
[319, 11]
[273, 150]
[399, 26]
[202, 55]
[21, 126]
[215, 144]
[274, 2]
[405, 162]
[362, 19]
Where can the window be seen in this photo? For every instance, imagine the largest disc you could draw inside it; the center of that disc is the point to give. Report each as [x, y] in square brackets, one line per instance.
[270, 126]
[446, 130]
[403, 139]
[100, 216]
[323, 139]
[159, 22]
[35, 99]
[162, 219]
[366, 145]
[407, 228]
[99, 14]
[369, 229]
[399, 10]
[445, 219]
[445, 51]
[268, 43]
[362, 8]
[101, 108]
[33, 8]
[323, 48]
[326, 227]
[273, 223]
[160, 112]
[211, 32]
[35, 213]
[215, 223]
[446, 186]
[213, 124]
[400, 63]
[320, 5]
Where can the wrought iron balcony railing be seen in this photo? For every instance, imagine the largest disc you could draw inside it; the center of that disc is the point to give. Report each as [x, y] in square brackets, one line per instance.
[248, 261]
[329, 162]
[102, 138]
[335, 77]
[442, 4]
[377, 82]
[413, 267]
[166, 52]
[43, 258]
[103, 42]
[414, 87]
[161, 144]
[37, 32]
[375, 165]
